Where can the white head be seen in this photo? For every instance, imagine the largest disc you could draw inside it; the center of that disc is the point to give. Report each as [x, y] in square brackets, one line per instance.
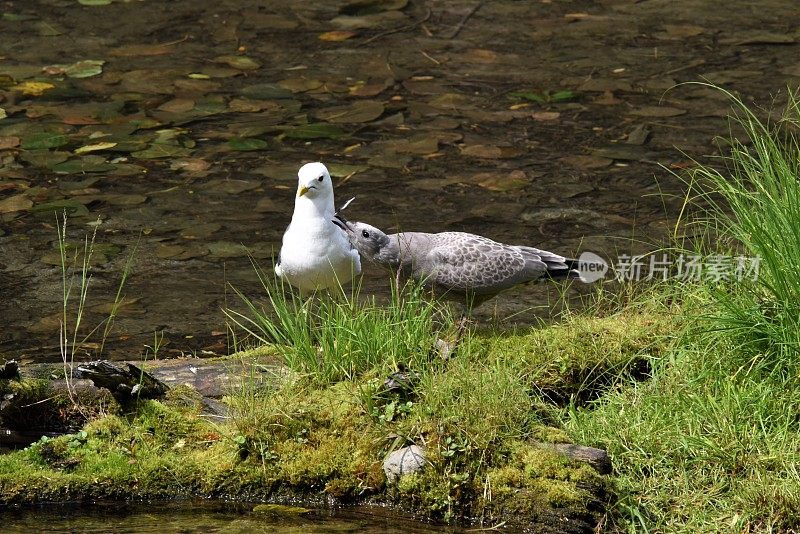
[314, 182]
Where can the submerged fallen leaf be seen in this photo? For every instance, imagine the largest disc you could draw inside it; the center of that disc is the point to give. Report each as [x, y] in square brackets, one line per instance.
[247, 144]
[8, 142]
[81, 69]
[657, 111]
[44, 140]
[94, 148]
[369, 7]
[69, 205]
[337, 35]
[81, 165]
[95, 2]
[141, 50]
[587, 162]
[33, 88]
[190, 165]
[490, 151]
[315, 130]
[15, 203]
[495, 181]
[238, 62]
[300, 85]
[357, 112]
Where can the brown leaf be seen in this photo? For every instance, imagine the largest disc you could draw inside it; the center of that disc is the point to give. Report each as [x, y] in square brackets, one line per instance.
[545, 115]
[586, 162]
[15, 203]
[177, 105]
[657, 111]
[490, 151]
[300, 85]
[359, 111]
[141, 50]
[337, 35]
[495, 181]
[8, 142]
[190, 165]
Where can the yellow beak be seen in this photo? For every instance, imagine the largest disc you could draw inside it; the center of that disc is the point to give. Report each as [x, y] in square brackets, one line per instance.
[302, 191]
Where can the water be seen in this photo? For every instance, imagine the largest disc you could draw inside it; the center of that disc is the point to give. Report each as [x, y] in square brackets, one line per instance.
[205, 518]
[176, 129]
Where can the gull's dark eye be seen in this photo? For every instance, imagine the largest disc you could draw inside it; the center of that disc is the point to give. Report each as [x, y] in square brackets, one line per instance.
[365, 233]
[320, 178]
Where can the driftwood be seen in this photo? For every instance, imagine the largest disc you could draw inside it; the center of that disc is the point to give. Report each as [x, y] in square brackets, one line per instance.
[44, 403]
[597, 458]
[125, 381]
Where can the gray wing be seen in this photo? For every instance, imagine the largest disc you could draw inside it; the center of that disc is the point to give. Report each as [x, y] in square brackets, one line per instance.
[473, 263]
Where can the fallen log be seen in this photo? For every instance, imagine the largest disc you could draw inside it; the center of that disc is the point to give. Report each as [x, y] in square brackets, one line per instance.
[126, 381]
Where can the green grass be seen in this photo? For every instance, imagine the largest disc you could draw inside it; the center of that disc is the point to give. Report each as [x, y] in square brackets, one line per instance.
[341, 336]
[711, 443]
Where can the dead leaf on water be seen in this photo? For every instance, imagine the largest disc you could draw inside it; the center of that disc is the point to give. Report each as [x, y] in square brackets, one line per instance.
[81, 69]
[300, 85]
[200, 231]
[33, 88]
[318, 130]
[545, 116]
[133, 50]
[8, 142]
[586, 162]
[94, 148]
[657, 111]
[638, 135]
[44, 158]
[501, 182]
[759, 37]
[15, 203]
[390, 161]
[357, 112]
[190, 165]
[247, 144]
[227, 249]
[368, 7]
[177, 105]
[162, 150]
[238, 62]
[231, 187]
[82, 165]
[49, 29]
[167, 251]
[490, 151]
[41, 140]
[337, 35]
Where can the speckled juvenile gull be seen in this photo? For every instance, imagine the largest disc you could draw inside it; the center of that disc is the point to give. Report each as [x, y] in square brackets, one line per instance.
[457, 265]
[315, 253]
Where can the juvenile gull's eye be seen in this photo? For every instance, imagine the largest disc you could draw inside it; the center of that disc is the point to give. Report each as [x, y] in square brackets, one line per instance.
[320, 178]
[365, 233]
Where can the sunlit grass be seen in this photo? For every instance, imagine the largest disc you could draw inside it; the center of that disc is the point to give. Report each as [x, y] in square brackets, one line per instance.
[711, 442]
[332, 337]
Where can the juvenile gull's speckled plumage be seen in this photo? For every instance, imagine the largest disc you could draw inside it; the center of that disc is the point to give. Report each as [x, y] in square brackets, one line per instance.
[460, 266]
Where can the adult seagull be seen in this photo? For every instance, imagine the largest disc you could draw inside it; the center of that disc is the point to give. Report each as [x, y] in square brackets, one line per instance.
[316, 254]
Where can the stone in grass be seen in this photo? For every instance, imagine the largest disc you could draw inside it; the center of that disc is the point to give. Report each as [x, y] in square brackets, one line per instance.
[405, 461]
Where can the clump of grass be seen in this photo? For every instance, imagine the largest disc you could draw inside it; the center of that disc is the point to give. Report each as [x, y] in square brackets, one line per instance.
[335, 337]
[76, 275]
[710, 442]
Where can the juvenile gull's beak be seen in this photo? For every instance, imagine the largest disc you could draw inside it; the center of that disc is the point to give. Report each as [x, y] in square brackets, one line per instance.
[342, 223]
[303, 190]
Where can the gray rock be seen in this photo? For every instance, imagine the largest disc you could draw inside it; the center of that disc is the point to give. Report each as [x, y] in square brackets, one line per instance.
[403, 461]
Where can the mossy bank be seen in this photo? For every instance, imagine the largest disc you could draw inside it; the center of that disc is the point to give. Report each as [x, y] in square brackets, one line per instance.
[481, 417]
